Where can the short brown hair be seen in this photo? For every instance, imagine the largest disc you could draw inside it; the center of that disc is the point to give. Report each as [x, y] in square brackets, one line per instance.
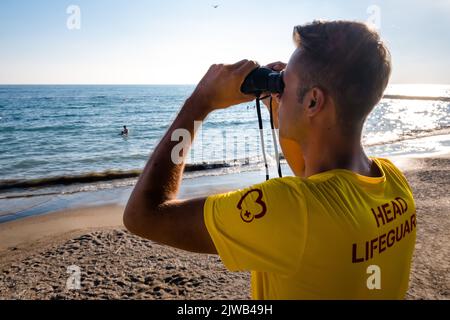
[347, 60]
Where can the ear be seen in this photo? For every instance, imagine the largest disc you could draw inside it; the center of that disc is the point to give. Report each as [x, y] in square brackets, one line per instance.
[315, 101]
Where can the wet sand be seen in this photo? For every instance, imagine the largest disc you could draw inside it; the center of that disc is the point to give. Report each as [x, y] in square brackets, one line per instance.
[36, 252]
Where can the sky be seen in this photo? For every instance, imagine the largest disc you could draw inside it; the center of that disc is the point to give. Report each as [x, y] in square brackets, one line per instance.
[175, 41]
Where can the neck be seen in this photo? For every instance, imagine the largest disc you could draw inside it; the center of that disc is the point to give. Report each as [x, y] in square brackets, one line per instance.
[335, 151]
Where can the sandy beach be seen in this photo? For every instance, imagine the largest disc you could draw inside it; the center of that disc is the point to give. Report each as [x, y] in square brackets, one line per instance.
[35, 253]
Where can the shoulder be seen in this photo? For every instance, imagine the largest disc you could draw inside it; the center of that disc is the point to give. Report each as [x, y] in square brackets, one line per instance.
[393, 172]
[385, 161]
[389, 167]
[274, 192]
[285, 185]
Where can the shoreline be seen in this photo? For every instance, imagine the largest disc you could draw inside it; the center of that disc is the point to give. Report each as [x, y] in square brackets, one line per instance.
[35, 251]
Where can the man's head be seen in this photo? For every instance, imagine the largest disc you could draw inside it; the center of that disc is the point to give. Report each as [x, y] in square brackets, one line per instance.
[333, 81]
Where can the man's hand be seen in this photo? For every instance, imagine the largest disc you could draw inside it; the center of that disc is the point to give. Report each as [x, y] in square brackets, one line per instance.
[277, 66]
[220, 88]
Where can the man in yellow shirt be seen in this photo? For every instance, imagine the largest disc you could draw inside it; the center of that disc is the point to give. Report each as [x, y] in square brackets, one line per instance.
[344, 227]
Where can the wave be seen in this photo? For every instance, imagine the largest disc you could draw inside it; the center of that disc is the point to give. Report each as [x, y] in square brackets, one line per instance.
[110, 175]
[401, 97]
[411, 135]
[68, 180]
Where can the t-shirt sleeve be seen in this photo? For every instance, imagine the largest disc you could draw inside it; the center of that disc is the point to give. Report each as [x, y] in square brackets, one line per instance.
[262, 228]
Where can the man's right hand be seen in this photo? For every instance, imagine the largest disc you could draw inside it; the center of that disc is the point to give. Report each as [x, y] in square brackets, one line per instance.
[220, 88]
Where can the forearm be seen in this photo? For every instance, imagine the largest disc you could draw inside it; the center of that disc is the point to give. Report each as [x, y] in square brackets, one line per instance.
[161, 178]
[153, 210]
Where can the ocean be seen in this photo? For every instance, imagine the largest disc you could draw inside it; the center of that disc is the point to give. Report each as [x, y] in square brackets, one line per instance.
[70, 135]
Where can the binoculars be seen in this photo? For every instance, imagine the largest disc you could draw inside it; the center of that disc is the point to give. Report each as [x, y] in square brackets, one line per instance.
[263, 80]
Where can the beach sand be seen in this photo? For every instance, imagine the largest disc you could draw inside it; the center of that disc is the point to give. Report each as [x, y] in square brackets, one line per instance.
[35, 253]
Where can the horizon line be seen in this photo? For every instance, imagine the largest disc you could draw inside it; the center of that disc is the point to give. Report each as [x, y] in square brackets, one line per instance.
[169, 84]
[98, 84]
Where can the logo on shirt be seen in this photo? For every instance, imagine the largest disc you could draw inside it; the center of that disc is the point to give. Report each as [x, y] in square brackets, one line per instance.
[254, 208]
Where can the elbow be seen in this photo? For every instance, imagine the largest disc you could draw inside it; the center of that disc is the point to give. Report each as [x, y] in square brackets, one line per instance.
[134, 218]
[140, 221]
[130, 220]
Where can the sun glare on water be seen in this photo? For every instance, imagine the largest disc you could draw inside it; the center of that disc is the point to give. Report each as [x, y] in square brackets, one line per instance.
[419, 90]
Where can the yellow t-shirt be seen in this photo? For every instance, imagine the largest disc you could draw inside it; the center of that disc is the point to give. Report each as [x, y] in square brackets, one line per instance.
[335, 235]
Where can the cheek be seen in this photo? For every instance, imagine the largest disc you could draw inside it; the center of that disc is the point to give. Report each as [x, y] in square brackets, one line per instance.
[285, 120]
[292, 121]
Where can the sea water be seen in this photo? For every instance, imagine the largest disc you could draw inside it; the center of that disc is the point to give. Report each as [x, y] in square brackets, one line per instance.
[52, 132]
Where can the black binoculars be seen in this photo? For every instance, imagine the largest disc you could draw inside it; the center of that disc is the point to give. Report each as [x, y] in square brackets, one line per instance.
[263, 80]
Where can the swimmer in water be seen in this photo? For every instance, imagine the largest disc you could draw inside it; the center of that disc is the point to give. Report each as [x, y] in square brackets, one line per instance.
[125, 131]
